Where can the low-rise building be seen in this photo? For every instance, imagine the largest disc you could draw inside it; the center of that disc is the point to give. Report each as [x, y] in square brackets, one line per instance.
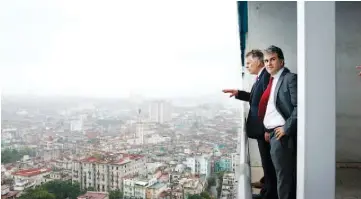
[136, 187]
[154, 191]
[29, 177]
[63, 163]
[7, 194]
[5, 189]
[22, 184]
[57, 175]
[193, 186]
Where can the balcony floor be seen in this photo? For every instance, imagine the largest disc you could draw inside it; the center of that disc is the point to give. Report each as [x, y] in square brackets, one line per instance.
[348, 182]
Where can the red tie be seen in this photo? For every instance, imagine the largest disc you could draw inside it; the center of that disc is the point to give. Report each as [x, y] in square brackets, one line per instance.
[264, 100]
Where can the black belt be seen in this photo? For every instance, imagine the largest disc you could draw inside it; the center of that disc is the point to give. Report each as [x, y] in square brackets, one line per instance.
[289, 143]
[271, 131]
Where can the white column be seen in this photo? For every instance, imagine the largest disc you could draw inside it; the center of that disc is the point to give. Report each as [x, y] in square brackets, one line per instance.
[316, 100]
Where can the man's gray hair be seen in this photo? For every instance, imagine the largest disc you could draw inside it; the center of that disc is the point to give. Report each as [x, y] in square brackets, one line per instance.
[255, 53]
[274, 49]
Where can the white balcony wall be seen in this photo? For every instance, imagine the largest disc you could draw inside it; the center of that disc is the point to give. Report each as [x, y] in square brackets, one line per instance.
[348, 84]
[271, 23]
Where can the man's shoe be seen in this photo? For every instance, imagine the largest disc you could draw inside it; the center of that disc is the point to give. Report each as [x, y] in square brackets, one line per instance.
[257, 196]
[257, 185]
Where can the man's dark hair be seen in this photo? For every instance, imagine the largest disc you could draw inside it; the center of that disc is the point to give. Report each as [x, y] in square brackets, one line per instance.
[274, 49]
[255, 53]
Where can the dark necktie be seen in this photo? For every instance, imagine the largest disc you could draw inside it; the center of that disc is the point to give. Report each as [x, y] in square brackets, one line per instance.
[264, 100]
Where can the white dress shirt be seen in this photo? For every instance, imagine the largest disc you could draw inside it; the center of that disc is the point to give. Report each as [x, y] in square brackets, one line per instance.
[272, 117]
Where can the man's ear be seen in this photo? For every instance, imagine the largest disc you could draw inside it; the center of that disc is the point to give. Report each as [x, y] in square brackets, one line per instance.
[258, 62]
[283, 62]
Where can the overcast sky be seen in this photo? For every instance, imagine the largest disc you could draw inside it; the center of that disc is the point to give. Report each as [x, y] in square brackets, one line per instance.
[113, 48]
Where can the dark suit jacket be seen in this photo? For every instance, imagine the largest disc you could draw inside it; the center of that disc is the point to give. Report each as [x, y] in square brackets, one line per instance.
[286, 101]
[254, 127]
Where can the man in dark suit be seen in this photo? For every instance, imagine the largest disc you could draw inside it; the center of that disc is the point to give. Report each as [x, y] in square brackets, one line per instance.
[278, 110]
[254, 126]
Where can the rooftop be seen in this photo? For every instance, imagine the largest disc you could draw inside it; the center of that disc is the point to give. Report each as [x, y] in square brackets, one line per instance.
[157, 185]
[31, 172]
[119, 159]
[93, 195]
[138, 180]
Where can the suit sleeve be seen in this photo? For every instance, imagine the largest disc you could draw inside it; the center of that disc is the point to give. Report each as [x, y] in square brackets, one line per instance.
[243, 95]
[291, 123]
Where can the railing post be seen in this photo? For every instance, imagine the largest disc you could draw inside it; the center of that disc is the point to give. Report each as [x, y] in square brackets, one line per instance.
[243, 172]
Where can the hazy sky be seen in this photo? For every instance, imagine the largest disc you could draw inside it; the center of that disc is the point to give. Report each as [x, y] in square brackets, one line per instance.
[112, 48]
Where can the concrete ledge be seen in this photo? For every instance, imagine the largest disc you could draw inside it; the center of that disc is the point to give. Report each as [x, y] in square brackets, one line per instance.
[244, 182]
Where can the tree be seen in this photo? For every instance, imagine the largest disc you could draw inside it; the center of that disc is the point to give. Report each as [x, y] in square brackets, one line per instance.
[195, 196]
[117, 194]
[220, 181]
[9, 156]
[219, 190]
[220, 175]
[38, 193]
[13, 155]
[211, 181]
[63, 189]
[203, 195]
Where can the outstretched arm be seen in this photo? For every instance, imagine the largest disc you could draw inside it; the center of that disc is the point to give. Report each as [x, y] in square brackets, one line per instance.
[243, 95]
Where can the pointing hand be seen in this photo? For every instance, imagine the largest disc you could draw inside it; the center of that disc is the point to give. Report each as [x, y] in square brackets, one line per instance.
[233, 92]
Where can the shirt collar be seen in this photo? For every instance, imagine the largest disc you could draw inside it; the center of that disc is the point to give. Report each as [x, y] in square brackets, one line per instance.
[278, 74]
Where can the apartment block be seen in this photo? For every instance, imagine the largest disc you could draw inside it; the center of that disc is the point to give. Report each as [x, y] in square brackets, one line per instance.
[106, 172]
[199, 165]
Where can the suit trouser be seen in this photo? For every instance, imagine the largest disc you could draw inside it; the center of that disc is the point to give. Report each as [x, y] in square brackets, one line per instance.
[269, 189]
[284, 161]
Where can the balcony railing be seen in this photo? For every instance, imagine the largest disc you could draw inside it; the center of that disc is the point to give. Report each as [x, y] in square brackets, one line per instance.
[243, 172]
